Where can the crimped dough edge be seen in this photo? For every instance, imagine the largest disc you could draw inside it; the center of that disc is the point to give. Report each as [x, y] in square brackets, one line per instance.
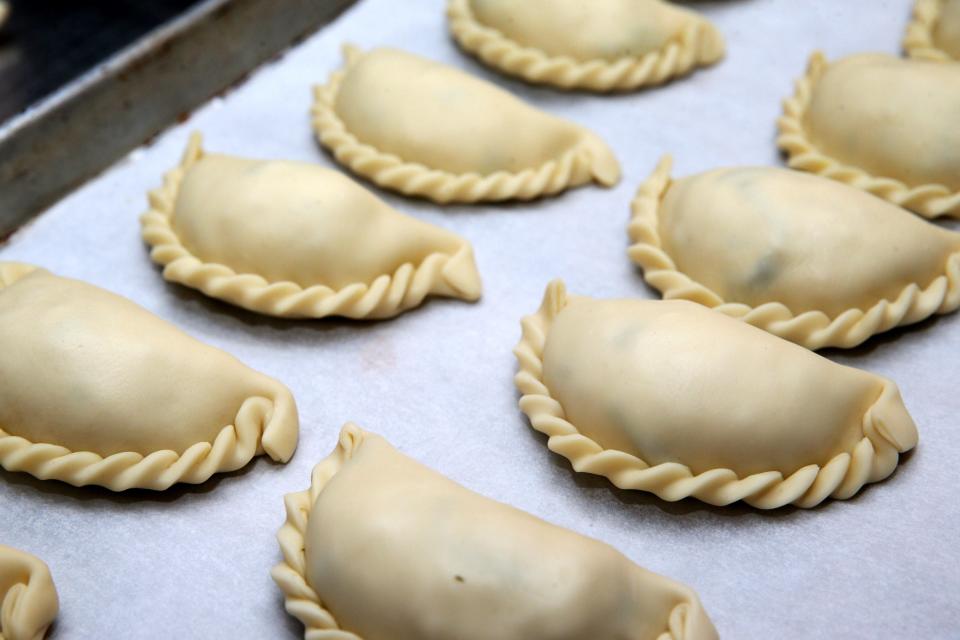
[699, 44]
[918, 40]
[928, 200]
[300, 599]
[590, 159]
[262, 425]
[29, 606]
[811, 329]
[387, 296]
[873, 458]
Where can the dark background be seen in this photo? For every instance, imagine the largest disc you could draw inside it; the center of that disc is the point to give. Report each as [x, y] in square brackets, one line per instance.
[47, 43]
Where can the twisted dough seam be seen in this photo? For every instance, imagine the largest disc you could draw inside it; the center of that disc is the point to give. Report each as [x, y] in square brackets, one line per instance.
[301, 601]
[388, 295]
[28, 597]
[873, 458]
[699, 44]
[262, 425]
[589, 159]
[918, 39]
[928, 200]
[811, 329]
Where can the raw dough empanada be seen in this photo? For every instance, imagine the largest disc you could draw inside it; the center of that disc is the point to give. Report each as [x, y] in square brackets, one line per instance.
[426, 129]
[934, 33]
[809, 259]
[859, 120]
[295, 240]
[601, 45]
[679, 400]
[381, 547]
[28, 598]
[97, 390]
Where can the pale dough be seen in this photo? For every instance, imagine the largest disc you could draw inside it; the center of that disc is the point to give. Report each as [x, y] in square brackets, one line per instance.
[934, 32]
[423, 128]
[97, 390]
[859, 120]
[382, 548]
[673, 398]
[293, 239]
[810, 259]
[601, 45]
[28, 597]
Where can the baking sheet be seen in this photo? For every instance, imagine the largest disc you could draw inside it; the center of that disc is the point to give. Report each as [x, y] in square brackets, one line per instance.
[194, 562]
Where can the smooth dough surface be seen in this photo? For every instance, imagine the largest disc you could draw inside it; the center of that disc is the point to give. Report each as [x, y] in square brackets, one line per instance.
[601, 29]
[88, 370]
[294, 221]
[672, 381]
[756, 235]
[397, 551]
[890, 117]
[946, 33]
[28, 597]
[428, 113]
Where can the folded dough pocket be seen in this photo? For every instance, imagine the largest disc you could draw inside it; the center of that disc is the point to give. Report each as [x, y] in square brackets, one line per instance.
[99, 391]
[673, 398]
[28, 597]
[882, 124]
[934, 32]
[809, 259]
[295, 240]
[422, 128]
[381, 547]
[602, 45]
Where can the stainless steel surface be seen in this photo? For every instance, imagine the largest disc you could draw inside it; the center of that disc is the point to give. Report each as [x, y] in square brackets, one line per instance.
[194, 562]
[86, 126]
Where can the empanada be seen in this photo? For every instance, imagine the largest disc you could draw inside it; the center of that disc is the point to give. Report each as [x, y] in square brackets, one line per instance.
[295, 240]
[934, 32]
[426, 129]
[679, 400]
[809, 259]
[28, 598]
[859, 120]
[97, 390]
[381, 547]
[601, 45]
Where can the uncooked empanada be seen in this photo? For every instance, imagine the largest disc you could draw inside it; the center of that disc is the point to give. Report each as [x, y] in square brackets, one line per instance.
[809, 259]
[97, 390]
[426, 129]
[679, 400]
[601, 45]
[934, 32]
[28, 598]
[859, 120]
[381, 547]
[295, 240]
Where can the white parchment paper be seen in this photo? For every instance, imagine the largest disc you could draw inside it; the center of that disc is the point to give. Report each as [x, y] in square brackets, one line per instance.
[194, 562]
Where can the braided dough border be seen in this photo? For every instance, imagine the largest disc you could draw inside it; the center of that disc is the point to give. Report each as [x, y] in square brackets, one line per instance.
[928, 200]
[302, 601]
[918, 39]
[590, 159]
[262, 425]
[30, 603]
[699, 44]
[387, 296]
[872, 459]
[811, 329]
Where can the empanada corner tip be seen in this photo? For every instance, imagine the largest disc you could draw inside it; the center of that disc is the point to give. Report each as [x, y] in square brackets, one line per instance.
[282, 427]
[461, 275]
[350, 52]
[554, 297]
[604, 166]
[889, 418]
